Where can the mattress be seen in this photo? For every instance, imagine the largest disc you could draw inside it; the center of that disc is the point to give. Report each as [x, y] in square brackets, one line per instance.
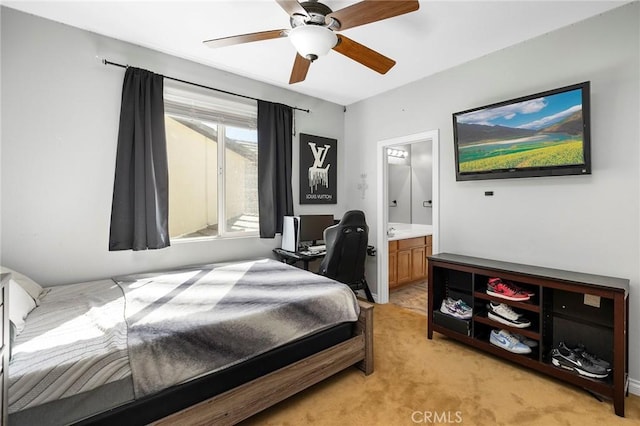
[115, 403]
[96, 346]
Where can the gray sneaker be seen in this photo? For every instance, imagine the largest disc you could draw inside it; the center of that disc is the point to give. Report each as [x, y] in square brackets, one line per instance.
[581, 350]
[456, 308]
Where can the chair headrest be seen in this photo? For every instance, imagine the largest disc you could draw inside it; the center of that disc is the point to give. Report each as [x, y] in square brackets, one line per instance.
[353, 217]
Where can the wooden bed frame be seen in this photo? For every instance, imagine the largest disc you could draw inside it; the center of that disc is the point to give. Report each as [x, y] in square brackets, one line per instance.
[240, 403]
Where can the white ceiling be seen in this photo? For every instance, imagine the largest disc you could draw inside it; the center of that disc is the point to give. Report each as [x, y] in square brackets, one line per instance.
[440, 35]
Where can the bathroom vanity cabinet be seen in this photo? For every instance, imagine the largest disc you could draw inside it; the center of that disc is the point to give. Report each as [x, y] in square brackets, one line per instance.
[408, 260]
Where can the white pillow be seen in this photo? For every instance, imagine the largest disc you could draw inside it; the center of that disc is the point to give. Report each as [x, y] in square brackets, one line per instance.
[30, 286]
[20, 304]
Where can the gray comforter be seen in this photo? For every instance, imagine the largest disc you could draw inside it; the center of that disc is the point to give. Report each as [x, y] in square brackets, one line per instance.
[185, 323]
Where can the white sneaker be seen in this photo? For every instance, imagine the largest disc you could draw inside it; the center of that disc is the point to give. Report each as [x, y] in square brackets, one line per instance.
[505, 340]
[503, 313]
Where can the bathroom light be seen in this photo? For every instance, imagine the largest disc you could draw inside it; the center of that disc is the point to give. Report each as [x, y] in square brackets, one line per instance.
[399, 153]
[312, 41]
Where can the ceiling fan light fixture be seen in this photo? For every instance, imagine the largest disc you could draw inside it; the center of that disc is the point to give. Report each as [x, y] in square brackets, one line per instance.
[312, 41]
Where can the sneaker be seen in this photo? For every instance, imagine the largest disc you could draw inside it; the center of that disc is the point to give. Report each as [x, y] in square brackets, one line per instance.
[581, 350]
[505, 290]
[505, 340]
[503, 313]
[525, 340]
[568, 359]
[515, 287]
[521, 290]
[456, 308]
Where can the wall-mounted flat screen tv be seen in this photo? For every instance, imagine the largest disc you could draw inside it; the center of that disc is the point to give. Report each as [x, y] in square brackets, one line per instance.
[545, 134]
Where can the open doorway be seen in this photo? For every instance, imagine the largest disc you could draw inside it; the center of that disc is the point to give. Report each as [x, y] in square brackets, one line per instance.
[383, 202]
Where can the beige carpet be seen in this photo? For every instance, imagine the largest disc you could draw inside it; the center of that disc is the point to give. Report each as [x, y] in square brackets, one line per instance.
[439, 381]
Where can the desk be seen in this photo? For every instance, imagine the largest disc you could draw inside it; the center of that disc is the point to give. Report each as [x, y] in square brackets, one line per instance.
[292, 257]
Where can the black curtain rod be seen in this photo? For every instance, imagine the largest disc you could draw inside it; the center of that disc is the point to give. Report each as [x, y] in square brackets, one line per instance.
[106, 62]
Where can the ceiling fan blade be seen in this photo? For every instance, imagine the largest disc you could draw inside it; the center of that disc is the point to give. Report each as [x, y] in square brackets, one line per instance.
[368, 11]
[292, 7]
[300, 68]
[364, 55]
[245, 38]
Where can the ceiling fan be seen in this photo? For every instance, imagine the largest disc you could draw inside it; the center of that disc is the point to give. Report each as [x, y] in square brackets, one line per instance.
[313, 32]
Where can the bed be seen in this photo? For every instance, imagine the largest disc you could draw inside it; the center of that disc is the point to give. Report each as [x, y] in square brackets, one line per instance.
[207, 344]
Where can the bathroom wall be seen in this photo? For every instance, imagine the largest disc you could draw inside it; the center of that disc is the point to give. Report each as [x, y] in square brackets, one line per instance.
[410, 185]
[421, 183]
[399, 187]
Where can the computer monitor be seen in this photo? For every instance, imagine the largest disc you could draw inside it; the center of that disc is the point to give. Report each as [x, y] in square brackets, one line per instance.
[312, 226]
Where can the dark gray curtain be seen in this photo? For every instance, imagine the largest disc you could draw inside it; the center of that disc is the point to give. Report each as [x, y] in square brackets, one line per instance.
[139, 211]
[275, 198]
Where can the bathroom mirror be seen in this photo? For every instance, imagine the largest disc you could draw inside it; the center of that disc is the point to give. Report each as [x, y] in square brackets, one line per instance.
[409, 183]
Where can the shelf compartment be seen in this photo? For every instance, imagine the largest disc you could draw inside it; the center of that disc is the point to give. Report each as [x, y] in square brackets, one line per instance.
[576, 305]
[528, 360]
[456, 280]
[482, 318]
[573, 333]
[534, 356]
[528, 306]
[482, 282]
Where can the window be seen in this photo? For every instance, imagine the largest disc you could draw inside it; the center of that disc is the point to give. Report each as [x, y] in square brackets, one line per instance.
[213, 164]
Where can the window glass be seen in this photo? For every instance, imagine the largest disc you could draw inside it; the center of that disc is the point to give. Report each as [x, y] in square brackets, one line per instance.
[241, 179]
[212, 159]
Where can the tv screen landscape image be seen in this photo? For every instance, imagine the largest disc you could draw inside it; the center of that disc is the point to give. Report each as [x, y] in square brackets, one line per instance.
[545, 134]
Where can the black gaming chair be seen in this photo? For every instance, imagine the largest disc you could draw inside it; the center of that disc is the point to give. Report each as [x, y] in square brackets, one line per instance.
[346, 251]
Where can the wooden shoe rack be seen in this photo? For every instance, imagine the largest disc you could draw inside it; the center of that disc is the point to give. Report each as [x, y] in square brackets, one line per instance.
[570, 307]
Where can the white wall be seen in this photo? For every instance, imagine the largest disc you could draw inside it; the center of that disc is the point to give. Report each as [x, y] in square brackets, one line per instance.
[60, 110]
[581, 223]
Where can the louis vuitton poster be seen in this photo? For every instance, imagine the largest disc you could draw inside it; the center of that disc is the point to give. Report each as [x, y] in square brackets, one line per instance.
[318, 170]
